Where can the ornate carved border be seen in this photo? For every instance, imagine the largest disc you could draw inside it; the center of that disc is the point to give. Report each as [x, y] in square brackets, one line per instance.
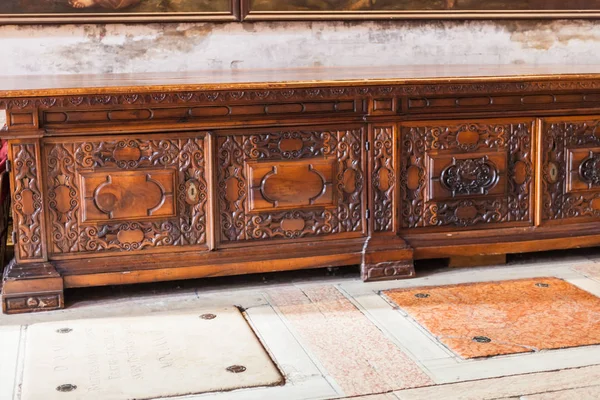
[514, 138]
[242, 95]
[69, 234]
[558, 137]
[238, 224]
[27, 202]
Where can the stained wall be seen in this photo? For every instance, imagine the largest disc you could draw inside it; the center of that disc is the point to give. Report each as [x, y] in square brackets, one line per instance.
[70, 49]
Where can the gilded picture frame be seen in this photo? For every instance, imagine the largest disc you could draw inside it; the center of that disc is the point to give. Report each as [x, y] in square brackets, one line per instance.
[265, 10]
[116, 11]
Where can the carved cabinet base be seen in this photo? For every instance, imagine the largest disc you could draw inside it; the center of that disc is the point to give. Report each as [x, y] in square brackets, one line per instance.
[123, 184]
[387, 258]
[31, 288]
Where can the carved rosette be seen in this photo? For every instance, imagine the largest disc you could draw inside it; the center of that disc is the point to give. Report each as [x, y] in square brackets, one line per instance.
[561, 139]
[66, 163]
[384, 178]
[469, 179]
[27, 203]
[239, 221]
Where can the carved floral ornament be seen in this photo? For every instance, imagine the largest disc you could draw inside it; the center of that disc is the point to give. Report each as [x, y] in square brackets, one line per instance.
[465, 174]
[589, 170]
[470, 176]
[70, 164]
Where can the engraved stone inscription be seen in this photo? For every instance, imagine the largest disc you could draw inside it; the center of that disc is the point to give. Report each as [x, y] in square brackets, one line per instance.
[144, 357]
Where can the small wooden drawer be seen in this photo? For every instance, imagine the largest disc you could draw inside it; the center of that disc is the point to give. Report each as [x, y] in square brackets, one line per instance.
[570, 173]
[291, 183]
[121, 194]
[466, 174]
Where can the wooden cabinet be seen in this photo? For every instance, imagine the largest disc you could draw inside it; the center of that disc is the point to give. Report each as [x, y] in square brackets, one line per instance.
[291, 183]
[125, 182]
[570, 170]
[112, 194]
[468, 174]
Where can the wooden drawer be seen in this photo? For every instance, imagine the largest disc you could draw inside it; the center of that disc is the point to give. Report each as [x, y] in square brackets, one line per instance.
[570, 182]
[115, 194]
[291, 183]
[466, 174]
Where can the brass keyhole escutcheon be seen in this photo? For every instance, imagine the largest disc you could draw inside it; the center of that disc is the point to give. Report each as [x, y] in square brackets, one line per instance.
[192, 191]
[552, 172]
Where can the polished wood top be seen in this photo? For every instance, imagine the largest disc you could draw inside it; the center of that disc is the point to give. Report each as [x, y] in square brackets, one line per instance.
[55, 85]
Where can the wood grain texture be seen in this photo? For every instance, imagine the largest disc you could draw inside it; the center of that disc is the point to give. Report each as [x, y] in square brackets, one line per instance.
[124, 179]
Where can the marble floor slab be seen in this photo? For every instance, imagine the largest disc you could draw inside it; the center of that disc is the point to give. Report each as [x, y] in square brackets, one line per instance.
[504, 317]
[328, 334]
[145, 357]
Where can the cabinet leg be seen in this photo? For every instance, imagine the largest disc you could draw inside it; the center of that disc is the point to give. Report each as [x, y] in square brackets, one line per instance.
[387, 258]
[31, 288]
[476, 261]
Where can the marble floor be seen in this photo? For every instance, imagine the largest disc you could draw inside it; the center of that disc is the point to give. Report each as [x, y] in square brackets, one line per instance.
[332, 336]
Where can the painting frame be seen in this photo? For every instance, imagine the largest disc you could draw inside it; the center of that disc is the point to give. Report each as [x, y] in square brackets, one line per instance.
[232, 15]
[248, 14]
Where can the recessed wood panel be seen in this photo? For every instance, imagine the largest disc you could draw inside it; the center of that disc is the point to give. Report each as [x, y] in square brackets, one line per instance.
[125, 195]
[570, 170]
[466, 174]
[291, 183]
[455, 176]
[183, 113]
[294, 185]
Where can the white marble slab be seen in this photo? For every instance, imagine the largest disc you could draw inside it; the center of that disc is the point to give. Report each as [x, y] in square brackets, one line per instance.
[144, 357]
[305, 377]
[10, 337]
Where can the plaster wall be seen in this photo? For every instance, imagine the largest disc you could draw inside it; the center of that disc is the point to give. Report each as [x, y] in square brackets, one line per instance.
[70, 49]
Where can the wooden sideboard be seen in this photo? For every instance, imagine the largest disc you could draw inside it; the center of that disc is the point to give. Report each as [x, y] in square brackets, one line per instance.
[126, 179]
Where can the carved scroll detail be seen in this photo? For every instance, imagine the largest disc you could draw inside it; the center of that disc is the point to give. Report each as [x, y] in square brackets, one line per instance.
[559, 139]
[383, 179]
[469, 178]
[589, 171]
[237, 220]
[66, 162]
[27, 203]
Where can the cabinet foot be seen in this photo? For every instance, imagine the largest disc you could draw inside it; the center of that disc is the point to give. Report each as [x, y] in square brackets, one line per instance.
[476, 261]
[31, 288]
[387, 259]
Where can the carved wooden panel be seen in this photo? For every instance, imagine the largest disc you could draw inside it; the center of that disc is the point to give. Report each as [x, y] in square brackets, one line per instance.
[570, 170]
[291, 183]
[384, 169]
[184, 113]
[122, 194]
[27, 202]
[125, 195]
[466, 174]
[452, 176]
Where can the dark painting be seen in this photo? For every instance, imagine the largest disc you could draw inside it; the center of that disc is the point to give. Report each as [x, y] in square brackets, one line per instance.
[442, 8]
[83, 10]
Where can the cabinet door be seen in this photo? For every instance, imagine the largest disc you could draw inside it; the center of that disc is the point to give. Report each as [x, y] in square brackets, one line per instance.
[570, 183]
[466, 174]
[115, 194]
[291, 183]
